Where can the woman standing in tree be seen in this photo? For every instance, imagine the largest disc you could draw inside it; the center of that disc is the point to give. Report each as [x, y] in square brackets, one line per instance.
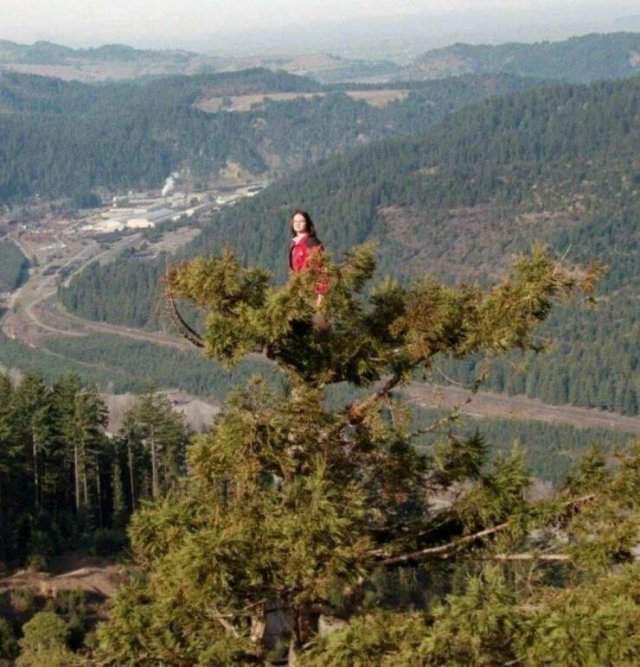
[305, 245]
[303, 253]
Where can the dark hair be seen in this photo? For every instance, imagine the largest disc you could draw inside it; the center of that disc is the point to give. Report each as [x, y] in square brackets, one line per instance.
[309, 227]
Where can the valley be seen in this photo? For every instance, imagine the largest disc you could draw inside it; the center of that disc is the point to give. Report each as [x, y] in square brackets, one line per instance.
[34, 315]
[419, 444]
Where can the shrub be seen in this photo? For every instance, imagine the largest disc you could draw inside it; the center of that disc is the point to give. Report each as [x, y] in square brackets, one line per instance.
[44, 643]
[37, 563]
[23, 601]
[8, 643]
[44, 630]
[108, 542]
[72, 607]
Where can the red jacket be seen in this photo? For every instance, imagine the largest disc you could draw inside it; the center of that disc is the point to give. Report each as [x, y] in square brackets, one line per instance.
[300, 257]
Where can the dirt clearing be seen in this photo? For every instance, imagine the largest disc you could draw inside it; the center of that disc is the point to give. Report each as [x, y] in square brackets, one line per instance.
[375, 98]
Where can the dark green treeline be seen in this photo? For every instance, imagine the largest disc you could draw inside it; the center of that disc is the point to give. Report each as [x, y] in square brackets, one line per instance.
[14, 266]
[64, 480]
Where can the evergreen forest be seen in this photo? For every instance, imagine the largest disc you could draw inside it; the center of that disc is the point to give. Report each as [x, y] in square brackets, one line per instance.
[115, 364]
[14, 266]
[68, 139]
[64, 482]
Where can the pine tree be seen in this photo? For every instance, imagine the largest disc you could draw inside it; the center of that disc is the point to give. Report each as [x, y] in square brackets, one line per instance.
[294, 505]
[30, 400]
[156, 436]
[55, 466]
[88, 419]
[8, 458]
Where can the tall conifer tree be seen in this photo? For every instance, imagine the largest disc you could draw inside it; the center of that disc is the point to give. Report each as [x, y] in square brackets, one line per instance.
[292, 508]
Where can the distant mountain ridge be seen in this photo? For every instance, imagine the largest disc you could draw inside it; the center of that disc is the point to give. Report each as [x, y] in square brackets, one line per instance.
[579, 59]
[50, 53]
[120, 62]
[44, 52]
[107, 62]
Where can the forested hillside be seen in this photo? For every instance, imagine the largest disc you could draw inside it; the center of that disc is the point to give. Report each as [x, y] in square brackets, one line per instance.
[557, 164]
[65, 139]
[14, 266]
[29, 93]
[63, 479]
[578, 60]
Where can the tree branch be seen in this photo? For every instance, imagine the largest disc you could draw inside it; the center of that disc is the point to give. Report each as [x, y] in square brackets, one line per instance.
[445, 551]
[358, 409]
[226, 625]
[474, 387]
[451, 417]
[551, 558]
[184, 329]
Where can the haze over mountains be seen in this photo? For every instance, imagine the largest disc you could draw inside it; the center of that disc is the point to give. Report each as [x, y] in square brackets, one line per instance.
[387, 30]
[403, 38]
[117, 62]
[579, 59]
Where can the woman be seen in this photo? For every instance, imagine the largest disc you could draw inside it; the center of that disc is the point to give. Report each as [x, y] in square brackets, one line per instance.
[305, 246]
[305, 243]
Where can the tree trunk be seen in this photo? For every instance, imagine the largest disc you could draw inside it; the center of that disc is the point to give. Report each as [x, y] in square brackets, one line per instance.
[85, 482]
[76, 475]
[155, 484]
[292, 658]
[99, 494]
[36, 478]
[4, 537]
[305, 628]
[132, 486]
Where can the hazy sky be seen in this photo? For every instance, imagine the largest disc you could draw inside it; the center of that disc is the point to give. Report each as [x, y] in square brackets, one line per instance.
[178, 23]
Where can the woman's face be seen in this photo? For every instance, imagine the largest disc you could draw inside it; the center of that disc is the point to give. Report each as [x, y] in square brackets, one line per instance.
[299, 224]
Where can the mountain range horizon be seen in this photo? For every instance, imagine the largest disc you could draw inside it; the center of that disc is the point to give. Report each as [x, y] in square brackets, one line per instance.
[390, 34]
